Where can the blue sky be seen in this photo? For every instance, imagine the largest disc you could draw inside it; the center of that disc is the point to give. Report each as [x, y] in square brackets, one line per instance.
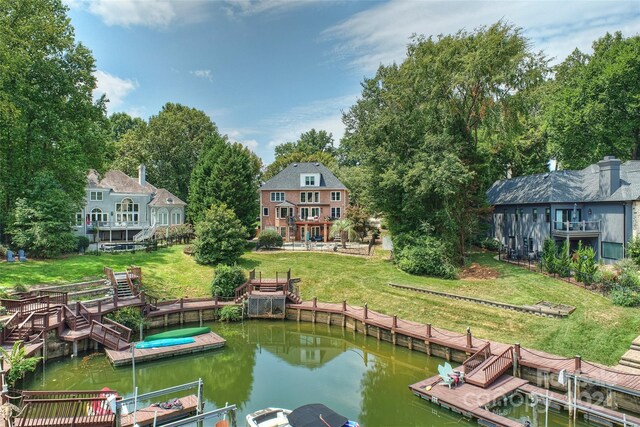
[266, 71]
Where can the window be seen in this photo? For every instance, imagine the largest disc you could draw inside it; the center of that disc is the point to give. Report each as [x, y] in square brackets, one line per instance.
[277, 197]
[525, 243]
[335, 212]
[309, 197]
[98, 216]
[265, 211]
[315, 212]
[535, 215]
[163, 217]
[530, 245]
[335, 196]
[303, 197]
[309, 180]
[79, 218]
[316, 197]
[283, 212]
[516, 215]
[127, 211]
[176, 217]
[283, 231]
[95, 196]
[304, 213]
[547, 215]
[611, 250]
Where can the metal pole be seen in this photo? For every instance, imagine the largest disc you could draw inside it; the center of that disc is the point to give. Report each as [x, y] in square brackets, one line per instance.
[135, 404]
[133, 365]
[199, 408]
[155, 417]
[546, 411]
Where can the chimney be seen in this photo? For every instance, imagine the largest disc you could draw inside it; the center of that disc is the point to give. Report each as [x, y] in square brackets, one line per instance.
[142, 175]
[609, 175]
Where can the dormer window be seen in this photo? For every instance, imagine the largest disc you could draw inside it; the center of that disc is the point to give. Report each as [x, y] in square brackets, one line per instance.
[169, 201]
[310, 180]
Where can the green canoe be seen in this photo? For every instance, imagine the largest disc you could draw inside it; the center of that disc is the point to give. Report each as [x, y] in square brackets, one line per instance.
[179, 333]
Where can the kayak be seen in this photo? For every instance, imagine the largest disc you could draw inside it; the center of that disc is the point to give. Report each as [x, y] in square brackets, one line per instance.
[179, 333]
[165, 342]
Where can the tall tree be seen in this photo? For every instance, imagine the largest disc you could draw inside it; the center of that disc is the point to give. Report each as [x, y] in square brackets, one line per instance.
[50, 122]
[593, 107]
[226, 173]
[170, 146]
[311, 146]
[426, 130]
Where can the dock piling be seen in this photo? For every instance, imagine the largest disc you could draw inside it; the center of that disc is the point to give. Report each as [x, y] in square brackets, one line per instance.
[469, 338]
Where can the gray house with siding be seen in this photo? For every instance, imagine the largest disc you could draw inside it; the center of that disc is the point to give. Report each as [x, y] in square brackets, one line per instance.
[598, 205]
[121, 208]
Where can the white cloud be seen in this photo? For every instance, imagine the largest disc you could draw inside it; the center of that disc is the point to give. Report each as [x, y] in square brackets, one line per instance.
[241, 136]
[145, 13]
[319, 115]
[203, 74]
[381, 34]
[114, 87]
[252, 7]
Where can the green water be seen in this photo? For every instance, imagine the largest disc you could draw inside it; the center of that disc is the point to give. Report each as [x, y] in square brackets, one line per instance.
[278, 364]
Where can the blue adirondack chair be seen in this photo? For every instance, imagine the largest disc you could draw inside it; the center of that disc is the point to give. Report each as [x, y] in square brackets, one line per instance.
[10, 257]
[447, 374]
[21, 255]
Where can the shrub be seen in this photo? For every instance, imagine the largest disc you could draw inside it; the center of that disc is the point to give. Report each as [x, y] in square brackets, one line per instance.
[584, 264]
[20, 288]
[131, 317]
[83, 243]
[549, 256]
[625, 297]
[563, 262]
[3, 251]
[427, 256]
[633, 250]
[220, 237]
[490, 244]
[19, 362]
[230, 313]
[270, 239]
[606, 281]
[226, 279]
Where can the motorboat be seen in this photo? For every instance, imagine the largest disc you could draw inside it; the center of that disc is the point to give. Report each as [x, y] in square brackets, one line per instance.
[312, 415]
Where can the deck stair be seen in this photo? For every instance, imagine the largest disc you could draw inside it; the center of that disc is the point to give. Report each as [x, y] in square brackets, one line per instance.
[125, 284]
[484, 367]
[631, 359]
[283, 284]
[110, 334]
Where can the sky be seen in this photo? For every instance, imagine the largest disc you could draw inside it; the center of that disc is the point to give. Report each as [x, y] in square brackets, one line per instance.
[267, 71]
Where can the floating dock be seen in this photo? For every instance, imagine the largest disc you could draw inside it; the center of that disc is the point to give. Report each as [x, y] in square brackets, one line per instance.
[146, 416]
[469, 400]
[203, 342]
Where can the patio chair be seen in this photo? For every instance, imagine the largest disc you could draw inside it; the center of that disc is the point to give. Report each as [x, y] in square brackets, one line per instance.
[10, 256]
[22, 256]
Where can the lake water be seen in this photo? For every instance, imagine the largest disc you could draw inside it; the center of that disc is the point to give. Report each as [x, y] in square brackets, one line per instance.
[279, 364]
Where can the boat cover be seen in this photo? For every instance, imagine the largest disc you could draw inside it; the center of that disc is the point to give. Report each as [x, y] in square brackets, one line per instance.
[315, 415]
[179, 333]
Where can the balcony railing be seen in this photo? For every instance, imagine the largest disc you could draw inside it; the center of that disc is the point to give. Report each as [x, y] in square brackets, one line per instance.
[121, 225]
[576, 226]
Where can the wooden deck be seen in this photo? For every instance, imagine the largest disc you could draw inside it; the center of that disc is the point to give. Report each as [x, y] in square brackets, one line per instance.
[540, 392]
[469, 400]
[203, 342]
[529, 358]
[145, 416]
[191, 304]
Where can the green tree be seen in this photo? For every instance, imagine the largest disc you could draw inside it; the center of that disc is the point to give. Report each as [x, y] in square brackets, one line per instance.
[359, 218]
[226, 173]
[170, 146]
[549, 256]
[220, 237]
[311, 146]
[344, 228]
[563, 262]
[593, 107]
[270, 239]
[40, 221]
[50, 122]
[426, 131]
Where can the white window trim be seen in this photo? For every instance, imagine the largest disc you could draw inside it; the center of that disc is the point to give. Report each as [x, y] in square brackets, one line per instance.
[96, 194]
[265, 209]
[336, 196]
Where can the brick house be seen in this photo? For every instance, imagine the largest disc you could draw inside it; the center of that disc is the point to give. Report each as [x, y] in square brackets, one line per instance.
[302, 201]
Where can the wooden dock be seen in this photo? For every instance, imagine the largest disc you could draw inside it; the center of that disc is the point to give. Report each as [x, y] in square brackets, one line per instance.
[203, 342]
[145, 416]
[469, 400]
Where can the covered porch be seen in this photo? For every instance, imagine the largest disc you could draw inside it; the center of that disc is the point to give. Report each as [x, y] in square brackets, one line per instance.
[313, 230]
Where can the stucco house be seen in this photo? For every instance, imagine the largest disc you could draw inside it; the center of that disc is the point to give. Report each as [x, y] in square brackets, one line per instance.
[598, 205]
[302, 201]
[121, 208]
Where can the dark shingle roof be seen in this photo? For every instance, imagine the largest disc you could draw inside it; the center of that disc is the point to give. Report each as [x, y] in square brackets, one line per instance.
[120, 182]
[289, 178]
[566, 186]
[163, 197]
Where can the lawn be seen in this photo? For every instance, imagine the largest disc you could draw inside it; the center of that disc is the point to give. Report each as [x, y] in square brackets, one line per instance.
[597, 330]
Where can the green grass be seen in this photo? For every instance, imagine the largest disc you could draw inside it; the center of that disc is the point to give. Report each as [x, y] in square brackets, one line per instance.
[597, 330]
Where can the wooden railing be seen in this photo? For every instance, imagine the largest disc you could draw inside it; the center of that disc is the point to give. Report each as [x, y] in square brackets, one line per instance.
[106, 335]
[477, 358]
[26, 306]
[55, 297]
[125, 333]
[83, 311]
[72, 408]
[499, 366]
[10, 325]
